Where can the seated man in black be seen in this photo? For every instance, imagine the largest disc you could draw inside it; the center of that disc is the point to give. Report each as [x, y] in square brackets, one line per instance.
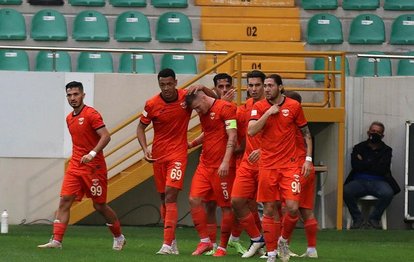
[370, 175]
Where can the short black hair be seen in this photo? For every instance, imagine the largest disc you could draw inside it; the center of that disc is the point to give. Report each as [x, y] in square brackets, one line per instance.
[222, 76]
[294, 95]
[378, 123]
[166, 72]
[256, 74]
[277, 78]
[74, 84]
[189, 98]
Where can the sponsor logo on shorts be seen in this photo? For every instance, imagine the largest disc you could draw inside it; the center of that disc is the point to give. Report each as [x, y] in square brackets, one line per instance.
[95, 181]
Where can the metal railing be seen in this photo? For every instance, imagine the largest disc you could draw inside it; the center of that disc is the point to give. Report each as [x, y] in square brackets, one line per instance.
[376, 59]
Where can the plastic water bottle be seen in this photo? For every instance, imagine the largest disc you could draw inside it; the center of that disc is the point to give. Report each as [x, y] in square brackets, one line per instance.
[4, 222]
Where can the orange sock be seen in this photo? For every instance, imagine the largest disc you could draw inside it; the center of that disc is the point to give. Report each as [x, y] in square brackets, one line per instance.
[227, 219]
[236, 228]
[58, 231]
[311, 229]
[270, 232]
[200, 221]
[289, 224]
[115, 228]
[248, 224]
[212, 232]
[170, 223]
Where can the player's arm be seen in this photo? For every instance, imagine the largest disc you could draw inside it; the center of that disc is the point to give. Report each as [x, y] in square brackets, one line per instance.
[104, 138]
[239, 149]
[195, 88]
[307, 166]
[196, 142]
[142, 139]
[255, 126]
[231, 129]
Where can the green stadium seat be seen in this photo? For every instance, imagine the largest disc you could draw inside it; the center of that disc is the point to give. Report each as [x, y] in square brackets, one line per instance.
[90, 25]
[399, 5]
[367, 29]
[14, 60]
[12, 25]
[44, 61]
[406, 66]
[324, 29]
[319, 4]
[11, 2]
[132, 26]
[144, 63]
[128, 3]
[402, 30]
[180, 63]
[95, 62]
[49, 24]
[174, 27]
[360, 4]
[170, 3]
[87, 2]
[319, 64]
[365, 66]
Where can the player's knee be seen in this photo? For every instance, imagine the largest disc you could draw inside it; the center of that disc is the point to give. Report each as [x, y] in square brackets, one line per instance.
[238, 203]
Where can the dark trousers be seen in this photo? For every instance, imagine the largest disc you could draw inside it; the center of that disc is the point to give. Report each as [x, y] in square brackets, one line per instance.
[359, 188]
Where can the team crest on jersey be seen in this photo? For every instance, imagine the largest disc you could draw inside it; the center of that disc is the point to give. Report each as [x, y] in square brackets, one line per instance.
[183, 105]
[81, 119]
[285, 112]
[95, 181]
[212, 115]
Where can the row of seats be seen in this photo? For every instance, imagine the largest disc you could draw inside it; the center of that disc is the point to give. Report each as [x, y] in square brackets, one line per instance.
[115, 3]
[366, 66]
[18, 60]
[181, 63]
[90, 25]
[400, 5]
[326, 28]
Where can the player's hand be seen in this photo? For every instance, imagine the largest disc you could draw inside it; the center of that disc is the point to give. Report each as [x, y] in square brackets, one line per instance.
[274, 109]
[86, 159]
[223, 170]
[306, 168]
[194, 88]
[254, 156]
[229, 96]
[148, 156]
[189, 145]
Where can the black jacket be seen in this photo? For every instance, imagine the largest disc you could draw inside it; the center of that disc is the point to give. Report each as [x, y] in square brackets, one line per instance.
[374, 162]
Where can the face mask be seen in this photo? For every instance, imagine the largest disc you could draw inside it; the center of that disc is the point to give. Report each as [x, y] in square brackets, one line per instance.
[375, 138]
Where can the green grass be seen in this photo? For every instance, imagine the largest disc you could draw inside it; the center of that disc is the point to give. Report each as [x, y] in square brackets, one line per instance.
[92, 243]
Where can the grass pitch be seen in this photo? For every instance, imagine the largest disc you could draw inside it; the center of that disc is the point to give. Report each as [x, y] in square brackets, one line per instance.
[94, 243]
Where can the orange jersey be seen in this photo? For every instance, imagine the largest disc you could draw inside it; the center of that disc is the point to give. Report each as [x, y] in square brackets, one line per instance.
[82, 127]
[252, 142]
[215, 136]
[170, 122]
[279, 147]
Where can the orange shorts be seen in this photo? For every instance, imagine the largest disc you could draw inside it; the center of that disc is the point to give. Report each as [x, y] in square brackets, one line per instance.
[307, 194]
[246, 182]
[85, 181]
[169, 173]
[277, 184]
[207, 180]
